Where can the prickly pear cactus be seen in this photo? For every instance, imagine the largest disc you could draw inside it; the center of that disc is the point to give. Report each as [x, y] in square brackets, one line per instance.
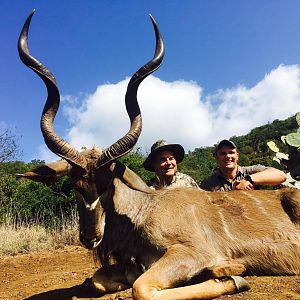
[289, 161]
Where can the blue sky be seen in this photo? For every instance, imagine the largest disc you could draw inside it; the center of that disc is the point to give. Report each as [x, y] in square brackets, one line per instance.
[229, 66]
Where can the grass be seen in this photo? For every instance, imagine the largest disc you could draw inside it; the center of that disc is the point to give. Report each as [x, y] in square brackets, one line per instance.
[25, 238]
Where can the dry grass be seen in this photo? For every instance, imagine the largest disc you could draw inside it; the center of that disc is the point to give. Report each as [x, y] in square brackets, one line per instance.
[26, 238]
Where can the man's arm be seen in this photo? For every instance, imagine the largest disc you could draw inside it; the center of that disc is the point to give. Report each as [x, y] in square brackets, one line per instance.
[269, 176]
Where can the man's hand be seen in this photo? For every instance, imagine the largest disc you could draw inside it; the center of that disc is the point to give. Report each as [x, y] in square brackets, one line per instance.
[243, 185]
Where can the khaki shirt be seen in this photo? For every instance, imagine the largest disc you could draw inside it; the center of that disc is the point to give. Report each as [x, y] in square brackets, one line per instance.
[217, 182]
[181, 180]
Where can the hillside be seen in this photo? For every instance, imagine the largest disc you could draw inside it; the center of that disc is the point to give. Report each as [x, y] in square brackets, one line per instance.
[252, 148]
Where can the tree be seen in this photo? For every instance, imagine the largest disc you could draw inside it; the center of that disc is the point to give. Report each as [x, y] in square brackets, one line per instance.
[9, 147]
[134, 160]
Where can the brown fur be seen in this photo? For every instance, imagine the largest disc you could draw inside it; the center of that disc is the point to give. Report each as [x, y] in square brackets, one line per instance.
[250, 228]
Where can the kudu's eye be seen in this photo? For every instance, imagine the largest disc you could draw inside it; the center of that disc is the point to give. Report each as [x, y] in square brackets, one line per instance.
[80, 190]
[79, 187]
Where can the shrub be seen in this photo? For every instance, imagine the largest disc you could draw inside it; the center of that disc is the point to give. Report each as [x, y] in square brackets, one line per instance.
[289, 161]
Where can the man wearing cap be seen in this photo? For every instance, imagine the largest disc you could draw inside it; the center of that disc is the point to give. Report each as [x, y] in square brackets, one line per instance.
[231, 176]
[163, 160]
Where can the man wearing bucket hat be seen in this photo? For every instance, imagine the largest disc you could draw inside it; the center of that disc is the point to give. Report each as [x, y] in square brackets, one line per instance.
[231, 176]
[163, 160]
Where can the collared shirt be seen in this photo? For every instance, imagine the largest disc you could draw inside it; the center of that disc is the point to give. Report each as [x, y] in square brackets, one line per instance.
[217, 182]
[180, 180]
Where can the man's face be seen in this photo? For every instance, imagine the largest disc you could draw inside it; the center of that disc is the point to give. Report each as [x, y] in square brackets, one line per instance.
[165, 164]
[227, 158]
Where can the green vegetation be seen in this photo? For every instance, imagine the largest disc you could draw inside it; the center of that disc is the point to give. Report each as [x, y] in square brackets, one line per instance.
[34, 216]
[25, 201]
[134, 160]
[289, 161]
[51, 209]
[199, 163]
[9, 147]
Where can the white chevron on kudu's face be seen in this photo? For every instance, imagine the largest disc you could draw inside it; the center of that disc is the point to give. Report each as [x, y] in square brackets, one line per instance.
[91, 206]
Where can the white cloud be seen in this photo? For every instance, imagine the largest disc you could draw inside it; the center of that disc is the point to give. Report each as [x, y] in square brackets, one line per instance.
[45, 154]
[170, 110]
[240, 109]
[178, 112]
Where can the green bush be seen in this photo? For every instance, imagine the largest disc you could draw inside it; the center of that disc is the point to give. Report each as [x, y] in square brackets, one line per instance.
[25, 201]
[289, 158]
[134, 160]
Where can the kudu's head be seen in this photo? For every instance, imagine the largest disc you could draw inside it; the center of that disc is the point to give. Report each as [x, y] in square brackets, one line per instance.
[91, 171]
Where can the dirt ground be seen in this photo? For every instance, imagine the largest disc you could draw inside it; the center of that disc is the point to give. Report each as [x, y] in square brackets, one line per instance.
[63, 274]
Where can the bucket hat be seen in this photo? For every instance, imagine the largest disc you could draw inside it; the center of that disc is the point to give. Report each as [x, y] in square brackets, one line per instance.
[162, 145]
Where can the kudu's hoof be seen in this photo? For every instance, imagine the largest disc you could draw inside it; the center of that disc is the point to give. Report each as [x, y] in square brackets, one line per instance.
[241, 284]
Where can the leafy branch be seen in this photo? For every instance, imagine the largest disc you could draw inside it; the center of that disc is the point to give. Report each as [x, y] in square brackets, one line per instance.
[290, 161]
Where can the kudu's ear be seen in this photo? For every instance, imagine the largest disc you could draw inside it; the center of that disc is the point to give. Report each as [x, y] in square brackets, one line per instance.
[48, 173]
[131, 179]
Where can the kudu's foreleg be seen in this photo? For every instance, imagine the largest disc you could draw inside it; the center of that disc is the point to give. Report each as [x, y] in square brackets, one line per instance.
[176, 268]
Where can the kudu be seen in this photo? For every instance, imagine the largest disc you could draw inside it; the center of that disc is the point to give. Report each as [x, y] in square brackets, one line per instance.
[173, 243]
